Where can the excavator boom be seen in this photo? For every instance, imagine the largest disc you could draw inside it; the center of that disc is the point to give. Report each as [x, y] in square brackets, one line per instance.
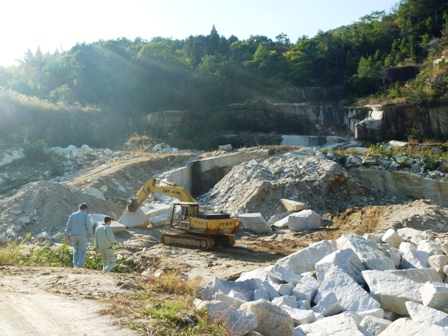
[195, 228]
[159, 187]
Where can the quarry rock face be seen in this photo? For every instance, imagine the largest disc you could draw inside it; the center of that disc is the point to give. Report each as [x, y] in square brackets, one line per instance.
[319, 291]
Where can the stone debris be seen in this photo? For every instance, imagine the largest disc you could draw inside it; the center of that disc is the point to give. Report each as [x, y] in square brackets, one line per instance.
[343, 287]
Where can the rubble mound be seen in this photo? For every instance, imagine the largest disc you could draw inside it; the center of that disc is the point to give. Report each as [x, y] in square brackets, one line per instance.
[45, 206]
[303, 175]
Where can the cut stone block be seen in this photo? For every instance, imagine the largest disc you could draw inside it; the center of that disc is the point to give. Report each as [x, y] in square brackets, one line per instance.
[234, 321]
[245, 288]
[346, 260]
[306, 288]
[435, 295]
[415, 259]
[391, 236]
[438, 262]
[349, 293]
[293, 205]
[227, 299]
[284, 289]
[409, 232]
[261, 294]
[304, 220]
[117, 227]
[430, 247]
[328, 305]
[420, 275]
[392, 291]
[404, 326]
[406, 246]
[277, 217]
[300, 316]
[426, 315]
[304, 260]
[136, 219]
[339, 325]
[285, 274]
[374, 325]
[272, 320]
[286, 300]
[369, 254]
[255, 222]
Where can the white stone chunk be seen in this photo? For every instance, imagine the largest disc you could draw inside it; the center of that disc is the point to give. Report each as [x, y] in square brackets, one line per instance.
[303, 304]
[231, 301]
[285, 274]
[391, 236]
[277, 217]
[430, 247]
[255, 222]
[246, 288]
[272, 292]
[234, 321]
[406, 246]
[339, 325]
[420, 275]
[304, 220]
[445, 248]
[286, 300]
[272, 320]
[345, 259]
[438, 262]
[409, 232]
[258, 273]
[349, 293]
[373, 237]
[395, 255]
[261, 294]
[369, 254]
[405, 327]
[374, 325]
[435, 295]
[379, 313]
[284, 289]
[304, 260]
[291, 205]
[392, 291]
[300, 316]
[306, 288]
[328, 305]
[415, 259]
[426, 315]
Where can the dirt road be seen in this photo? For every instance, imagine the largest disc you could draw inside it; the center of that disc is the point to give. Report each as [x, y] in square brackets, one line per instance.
[27, 309]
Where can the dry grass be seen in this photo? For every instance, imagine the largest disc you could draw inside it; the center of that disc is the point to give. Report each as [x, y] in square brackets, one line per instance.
[162, 306]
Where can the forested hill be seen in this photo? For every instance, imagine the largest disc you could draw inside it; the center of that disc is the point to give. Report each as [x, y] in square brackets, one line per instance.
[201, 73]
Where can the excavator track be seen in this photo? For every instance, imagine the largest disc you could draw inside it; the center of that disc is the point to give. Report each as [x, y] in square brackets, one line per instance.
[187, 240]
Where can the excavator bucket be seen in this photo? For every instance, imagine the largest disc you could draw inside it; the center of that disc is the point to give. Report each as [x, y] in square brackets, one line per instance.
[134, 219]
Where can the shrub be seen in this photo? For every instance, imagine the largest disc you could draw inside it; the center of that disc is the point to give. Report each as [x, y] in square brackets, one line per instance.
[34, 150]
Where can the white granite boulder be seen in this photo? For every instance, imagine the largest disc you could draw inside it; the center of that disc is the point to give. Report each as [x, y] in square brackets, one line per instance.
[234, 321]
[339, 325]
[426, 315]
[271, 320]
[306, 289]
[300, 316]
[415, 259]
[304, 220]
[246, 288]
[369, 254]
[291, 205]
[420, 275]
[374, 325]
[435, 295]
[346, 260]
[404, 326]
[391, 236]
[349, 293]
[304, 260]
[328, 305]
[255, 222]
[392, 291]
[285, 274]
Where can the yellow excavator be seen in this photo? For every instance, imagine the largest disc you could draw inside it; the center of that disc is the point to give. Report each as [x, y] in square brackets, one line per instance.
[192, 227]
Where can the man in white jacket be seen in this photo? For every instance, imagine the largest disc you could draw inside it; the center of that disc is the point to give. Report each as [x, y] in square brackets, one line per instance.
[104, 239]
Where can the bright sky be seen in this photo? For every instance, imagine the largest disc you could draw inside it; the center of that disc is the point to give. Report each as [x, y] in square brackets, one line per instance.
[60, 24]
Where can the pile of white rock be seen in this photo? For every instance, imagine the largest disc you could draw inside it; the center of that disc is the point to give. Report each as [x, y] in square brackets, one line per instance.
[378, 284]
